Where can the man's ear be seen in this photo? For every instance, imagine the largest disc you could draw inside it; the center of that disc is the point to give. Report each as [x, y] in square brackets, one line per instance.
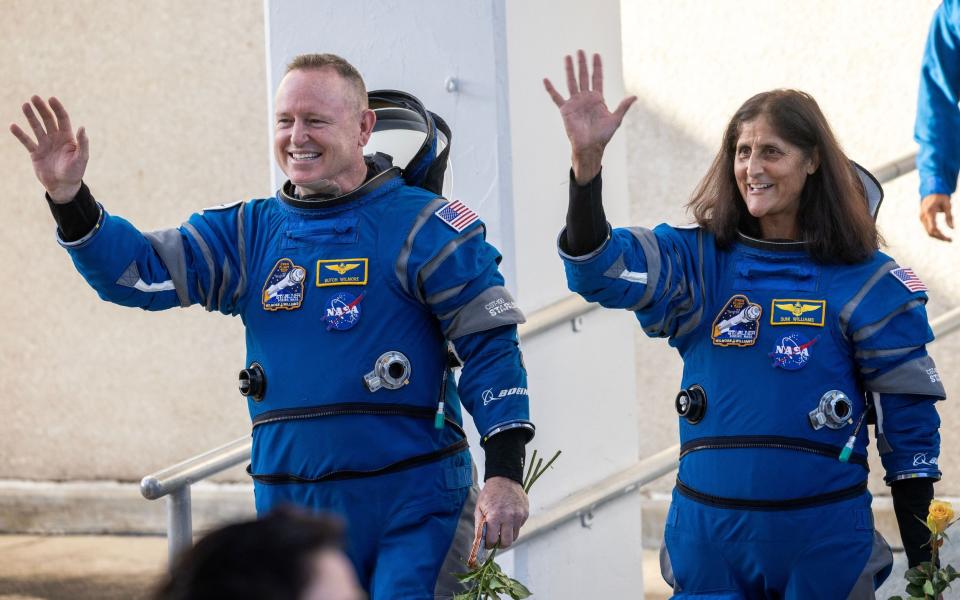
[368, 119]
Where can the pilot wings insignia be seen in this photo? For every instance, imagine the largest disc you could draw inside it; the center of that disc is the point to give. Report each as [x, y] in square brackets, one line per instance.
[342, 267]
[797, 309]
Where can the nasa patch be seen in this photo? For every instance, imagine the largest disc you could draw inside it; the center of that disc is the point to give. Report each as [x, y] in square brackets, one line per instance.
[738, 324]
[792, 351]
[283, 289]
[342, 311]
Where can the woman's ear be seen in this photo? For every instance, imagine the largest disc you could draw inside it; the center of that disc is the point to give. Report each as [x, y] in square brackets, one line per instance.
[814, 162]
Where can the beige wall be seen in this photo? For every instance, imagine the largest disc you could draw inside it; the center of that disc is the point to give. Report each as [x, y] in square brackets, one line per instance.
[174, 101]
[694, 63]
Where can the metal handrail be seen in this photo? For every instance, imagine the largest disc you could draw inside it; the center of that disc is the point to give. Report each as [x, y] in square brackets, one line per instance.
[174, 481]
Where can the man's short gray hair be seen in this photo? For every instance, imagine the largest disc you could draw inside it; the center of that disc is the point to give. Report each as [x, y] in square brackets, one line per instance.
[349, 73]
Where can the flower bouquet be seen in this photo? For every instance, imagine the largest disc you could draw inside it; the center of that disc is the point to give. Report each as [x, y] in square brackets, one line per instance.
[928, 580]
[486, 579]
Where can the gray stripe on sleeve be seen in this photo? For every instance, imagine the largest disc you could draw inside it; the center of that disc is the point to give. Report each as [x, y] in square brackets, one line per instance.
[868, 330]
[130, 276]
[918, 376]
[434, 263]
[223, 284]
[618, 267]
[854, 302]
[445, 295]
[208, 258]
[648, 241]
[404, 257]
[242, 252]
[168, 244]
[885, 353]
[493, 307]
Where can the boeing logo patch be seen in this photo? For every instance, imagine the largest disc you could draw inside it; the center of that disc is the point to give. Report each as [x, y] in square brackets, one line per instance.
[488, 396]
[920, 459]
[792, 352]
[283, 289]
[342, 271]
[738, 324]
[794, 311]
[343, 311]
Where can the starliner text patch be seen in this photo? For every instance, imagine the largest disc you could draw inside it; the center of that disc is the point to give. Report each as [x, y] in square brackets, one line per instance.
[283, 289]
[738, 324]
[342, 271]
[795, 311]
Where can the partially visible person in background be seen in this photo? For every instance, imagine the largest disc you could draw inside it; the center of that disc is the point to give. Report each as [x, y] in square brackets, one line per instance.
[288, 555]
[938, 118]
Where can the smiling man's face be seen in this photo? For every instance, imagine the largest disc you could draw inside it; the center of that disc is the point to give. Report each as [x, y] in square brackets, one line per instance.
[320, 130]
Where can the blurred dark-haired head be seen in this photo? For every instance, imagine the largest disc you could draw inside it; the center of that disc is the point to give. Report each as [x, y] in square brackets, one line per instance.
[286, 555]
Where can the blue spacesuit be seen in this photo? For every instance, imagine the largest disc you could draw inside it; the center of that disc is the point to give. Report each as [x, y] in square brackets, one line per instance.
[784, 359]
[938, 114]
[350, 305]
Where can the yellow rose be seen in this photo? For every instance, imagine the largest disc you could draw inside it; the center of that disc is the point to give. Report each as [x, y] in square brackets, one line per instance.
[939, 516]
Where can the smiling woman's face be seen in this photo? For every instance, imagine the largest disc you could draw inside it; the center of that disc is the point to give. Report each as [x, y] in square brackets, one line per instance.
[770, 174]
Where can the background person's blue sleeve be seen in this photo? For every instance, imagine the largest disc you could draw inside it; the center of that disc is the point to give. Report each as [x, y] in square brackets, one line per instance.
[937, 127]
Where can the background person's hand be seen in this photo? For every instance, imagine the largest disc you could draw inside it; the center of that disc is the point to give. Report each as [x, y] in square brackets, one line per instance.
[929, 207]
[589, 123]
[59, 157]
[504, 506]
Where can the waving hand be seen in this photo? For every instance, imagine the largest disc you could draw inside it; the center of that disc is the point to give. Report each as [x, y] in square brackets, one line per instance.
[59, 157]
[589, 123]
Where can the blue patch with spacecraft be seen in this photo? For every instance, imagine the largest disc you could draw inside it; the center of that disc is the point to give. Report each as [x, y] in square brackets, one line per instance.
[283, 289]
[792, 351]
[738, 324]
[342, 311]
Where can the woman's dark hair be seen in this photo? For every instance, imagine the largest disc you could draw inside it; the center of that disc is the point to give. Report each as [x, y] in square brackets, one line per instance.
[833, 217]
[266, 558]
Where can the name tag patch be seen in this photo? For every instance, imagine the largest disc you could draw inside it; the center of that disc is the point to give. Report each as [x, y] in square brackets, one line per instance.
[796, 311]
[342, 271]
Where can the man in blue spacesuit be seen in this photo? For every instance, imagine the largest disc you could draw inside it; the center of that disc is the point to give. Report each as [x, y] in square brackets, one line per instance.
[794, 330]
[937, 128]
[356, 289]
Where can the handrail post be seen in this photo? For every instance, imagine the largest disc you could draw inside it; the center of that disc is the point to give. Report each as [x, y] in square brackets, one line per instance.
[179, 523]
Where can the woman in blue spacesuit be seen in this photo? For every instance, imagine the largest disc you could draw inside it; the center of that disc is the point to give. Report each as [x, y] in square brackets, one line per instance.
[794, 332]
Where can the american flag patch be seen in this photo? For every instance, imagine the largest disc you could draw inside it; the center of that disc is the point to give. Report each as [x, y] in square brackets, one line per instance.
[909, 279]
[456, 214]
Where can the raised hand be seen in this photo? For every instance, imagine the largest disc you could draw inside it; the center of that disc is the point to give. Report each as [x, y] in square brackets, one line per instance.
[589, 123]
[59, 157]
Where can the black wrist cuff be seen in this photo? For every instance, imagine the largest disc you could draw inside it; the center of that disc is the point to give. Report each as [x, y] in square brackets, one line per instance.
[586, 222]
[76, 218]
[911, 502]
[506, 452]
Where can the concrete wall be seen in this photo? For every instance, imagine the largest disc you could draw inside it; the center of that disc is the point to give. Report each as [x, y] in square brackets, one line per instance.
[171, 94]
[693, 64]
